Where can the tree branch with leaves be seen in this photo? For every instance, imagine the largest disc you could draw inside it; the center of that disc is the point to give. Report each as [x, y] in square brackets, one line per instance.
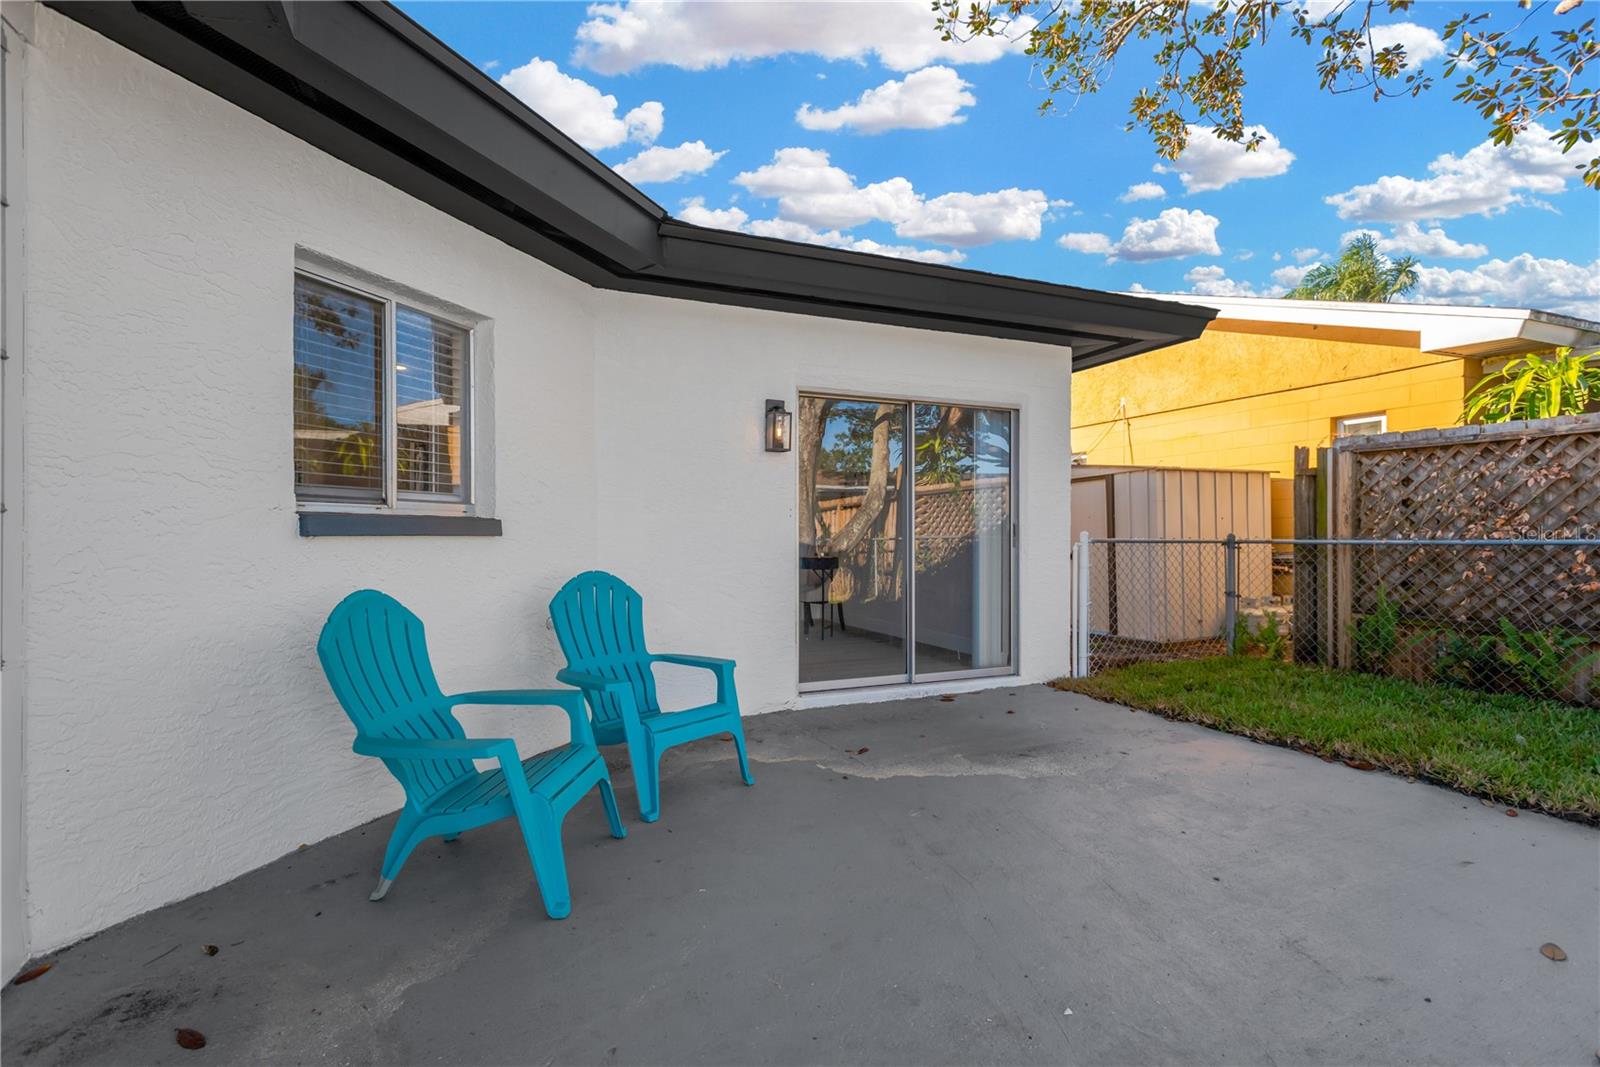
[1517, 76]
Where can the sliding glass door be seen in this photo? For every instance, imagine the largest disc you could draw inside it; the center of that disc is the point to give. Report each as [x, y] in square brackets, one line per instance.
[907, 553]
[852, 558]
[962, 528]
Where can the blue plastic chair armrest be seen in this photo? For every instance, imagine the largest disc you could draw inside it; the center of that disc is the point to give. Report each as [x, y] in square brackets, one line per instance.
[710, 663]
[568, 700]
[439, 748]
[723, 668]
[568, 676]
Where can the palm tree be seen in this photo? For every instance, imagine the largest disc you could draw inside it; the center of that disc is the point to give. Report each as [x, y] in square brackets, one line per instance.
[1362, 273]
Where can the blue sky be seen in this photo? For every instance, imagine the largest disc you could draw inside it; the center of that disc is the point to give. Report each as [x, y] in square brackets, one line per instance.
[916, 148]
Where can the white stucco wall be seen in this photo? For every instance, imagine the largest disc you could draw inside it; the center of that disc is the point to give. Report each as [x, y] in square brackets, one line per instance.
[179, 731]
[710, 522]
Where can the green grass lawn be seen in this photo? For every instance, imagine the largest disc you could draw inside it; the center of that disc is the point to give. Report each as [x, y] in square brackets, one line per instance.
[1511, 749]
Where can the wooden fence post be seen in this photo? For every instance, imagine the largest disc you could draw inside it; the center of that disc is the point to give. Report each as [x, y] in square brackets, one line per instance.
[1307, 582]
[1341, 523]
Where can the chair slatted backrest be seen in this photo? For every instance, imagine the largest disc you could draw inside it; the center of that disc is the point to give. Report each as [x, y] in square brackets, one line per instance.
[599, 620]
[375, 654]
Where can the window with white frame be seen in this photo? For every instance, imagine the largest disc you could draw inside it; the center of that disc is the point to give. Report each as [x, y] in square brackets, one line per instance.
[381, 396]
[1360, 425]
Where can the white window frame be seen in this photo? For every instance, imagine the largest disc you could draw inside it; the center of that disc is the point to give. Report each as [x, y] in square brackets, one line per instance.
[1341, 425]
[394, 501]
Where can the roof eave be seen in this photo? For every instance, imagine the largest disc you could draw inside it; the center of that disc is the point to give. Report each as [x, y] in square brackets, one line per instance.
[366, 84]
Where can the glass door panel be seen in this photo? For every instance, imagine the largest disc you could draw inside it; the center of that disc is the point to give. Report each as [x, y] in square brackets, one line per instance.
[852, 568]
[962, 530]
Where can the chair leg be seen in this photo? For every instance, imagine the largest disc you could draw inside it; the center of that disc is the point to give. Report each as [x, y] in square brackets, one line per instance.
[647, 777]
[448, 838]
[406, 836]
[541, 832]
[744, 759]
[609, 800]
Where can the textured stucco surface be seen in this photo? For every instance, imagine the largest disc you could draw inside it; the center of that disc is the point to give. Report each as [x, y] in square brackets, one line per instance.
[918, 882]
[179, 732]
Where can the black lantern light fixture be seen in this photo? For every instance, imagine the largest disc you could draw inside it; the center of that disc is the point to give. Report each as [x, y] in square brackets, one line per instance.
[780, 427]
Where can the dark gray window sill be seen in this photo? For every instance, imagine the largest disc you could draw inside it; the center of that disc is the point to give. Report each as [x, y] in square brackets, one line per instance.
[355, 524]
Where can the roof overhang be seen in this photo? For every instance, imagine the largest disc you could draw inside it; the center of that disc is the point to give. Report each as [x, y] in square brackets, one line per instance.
[365, 83]
[1447, 329]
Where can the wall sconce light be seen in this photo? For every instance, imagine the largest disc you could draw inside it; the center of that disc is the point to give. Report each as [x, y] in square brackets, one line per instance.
[780, 427]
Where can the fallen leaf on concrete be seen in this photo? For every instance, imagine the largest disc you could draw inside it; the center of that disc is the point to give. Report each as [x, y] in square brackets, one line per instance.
[31, 973]
[191, 1039]
[1011, 711]
[1552, 951]
[1511, 812]
[947, 698]
[210, 950]
[863, 750]
[1360, 765]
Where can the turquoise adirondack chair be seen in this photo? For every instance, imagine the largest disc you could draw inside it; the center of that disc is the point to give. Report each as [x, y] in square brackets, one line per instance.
[599, 620]
[376, 659]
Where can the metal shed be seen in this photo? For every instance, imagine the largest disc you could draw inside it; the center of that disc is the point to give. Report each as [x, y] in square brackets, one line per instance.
[1159, 585]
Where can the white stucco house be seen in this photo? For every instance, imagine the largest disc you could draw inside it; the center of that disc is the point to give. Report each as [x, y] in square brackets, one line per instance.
[299, 301]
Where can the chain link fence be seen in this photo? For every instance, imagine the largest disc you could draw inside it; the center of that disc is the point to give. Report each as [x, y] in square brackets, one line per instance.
[1511, 616]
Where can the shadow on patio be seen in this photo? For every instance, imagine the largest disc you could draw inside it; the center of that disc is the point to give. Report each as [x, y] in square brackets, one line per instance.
[946, 895]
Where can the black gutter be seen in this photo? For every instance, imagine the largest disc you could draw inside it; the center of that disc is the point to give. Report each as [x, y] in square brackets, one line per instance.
[368, 85]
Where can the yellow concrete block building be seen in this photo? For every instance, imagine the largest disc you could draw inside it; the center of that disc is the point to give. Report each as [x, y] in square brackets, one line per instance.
[1269, 375]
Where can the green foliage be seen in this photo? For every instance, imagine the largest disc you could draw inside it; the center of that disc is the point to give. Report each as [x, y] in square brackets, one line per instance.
[1273, 641]
[1536, 387]
[1376, 634]
[1504, 69]
[1362, 273]
[1541, 661]
[1470, 662]
[1514, 749]
[1266, 639]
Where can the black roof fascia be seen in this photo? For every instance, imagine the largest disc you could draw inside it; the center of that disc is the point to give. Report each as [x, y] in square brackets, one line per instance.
[366, 84]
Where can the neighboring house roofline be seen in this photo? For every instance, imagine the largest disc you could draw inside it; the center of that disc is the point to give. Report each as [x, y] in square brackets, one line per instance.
[368, 85]
[1447, 329]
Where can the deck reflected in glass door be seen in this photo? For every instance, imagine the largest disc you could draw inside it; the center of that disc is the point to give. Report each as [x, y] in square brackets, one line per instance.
[963, 532]
[852, 566]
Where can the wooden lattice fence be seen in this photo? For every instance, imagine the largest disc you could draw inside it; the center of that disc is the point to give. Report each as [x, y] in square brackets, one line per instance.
[1514, 481]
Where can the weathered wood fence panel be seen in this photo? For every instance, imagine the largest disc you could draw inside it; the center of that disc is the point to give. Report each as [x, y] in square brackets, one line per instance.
[1524, 480]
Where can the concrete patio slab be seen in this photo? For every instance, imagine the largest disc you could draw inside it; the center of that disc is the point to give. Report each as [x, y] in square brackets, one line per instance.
[1016, 876]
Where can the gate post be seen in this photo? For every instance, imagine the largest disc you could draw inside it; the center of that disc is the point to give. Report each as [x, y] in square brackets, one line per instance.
[1230, 591]
[1080, 614]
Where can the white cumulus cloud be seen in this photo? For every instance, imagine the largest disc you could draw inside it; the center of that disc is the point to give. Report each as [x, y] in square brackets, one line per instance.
[1175, 233]
[1305, 255]
[796, 231]
[619, 37]
[1521, 281]
[968, 219]
[1421, 44]
[1214, 281]
[1208, 162]
[1485, 181]
[662, 164]
[580, 110]
[1143, 191]
[812, 191]
[694, 210]
[923, 100]
[1291, 276]
[1409, 238]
